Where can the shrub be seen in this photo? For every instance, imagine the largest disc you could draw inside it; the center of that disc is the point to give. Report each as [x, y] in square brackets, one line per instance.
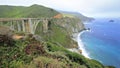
[35, 48]
[6, 40]
[44, 62]
[13, 56]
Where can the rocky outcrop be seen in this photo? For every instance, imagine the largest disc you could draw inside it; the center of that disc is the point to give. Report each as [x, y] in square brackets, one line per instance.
[6, 36]
[6, 40]
[6, 31]
[72, 25]
[58, 16]
[61, 30]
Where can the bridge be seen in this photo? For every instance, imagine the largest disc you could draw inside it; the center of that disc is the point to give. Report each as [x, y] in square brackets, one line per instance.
[25, 24]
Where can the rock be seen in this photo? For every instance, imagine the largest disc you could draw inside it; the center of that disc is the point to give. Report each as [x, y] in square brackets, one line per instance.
[4, 30]
[38, 38]
[80, 51]
[111, 20]
[74, 50]
[4, 39]
[17, 37]
[6, 36]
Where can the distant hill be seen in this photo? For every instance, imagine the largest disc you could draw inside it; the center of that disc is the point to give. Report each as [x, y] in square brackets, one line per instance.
[79, 15]
[35, 11]
[48, 47]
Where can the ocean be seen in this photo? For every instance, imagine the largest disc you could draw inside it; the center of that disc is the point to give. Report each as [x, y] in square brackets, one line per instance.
[102, 41]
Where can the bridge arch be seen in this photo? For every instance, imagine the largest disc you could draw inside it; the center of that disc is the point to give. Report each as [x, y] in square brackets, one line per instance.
[25, 24]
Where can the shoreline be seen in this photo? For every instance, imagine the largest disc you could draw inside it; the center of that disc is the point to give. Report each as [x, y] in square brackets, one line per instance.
[81, 45]
[76, 37]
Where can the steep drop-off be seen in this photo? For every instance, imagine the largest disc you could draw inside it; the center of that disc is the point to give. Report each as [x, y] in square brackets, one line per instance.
[43, 49]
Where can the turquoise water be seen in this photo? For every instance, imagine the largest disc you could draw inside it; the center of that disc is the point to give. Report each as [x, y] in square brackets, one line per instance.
[102, 42]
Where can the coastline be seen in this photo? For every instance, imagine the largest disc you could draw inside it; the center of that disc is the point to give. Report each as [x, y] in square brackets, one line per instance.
[76, 37]
[81, 45]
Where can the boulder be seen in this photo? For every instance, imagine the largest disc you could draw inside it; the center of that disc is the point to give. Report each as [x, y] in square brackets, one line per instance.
[4, 30]
[6, 36]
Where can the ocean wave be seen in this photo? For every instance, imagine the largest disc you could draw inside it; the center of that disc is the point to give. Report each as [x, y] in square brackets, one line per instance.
[81, 45]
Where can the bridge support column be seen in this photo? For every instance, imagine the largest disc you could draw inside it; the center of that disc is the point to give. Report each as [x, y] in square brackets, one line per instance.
[23, 25]
[12, 25]
[45, 25]
[30, 26]
[18, 25]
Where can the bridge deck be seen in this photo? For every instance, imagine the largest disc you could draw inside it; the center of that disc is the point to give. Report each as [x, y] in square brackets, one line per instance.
[18, 19]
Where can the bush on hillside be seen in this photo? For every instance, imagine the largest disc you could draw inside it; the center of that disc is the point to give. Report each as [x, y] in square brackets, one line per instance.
[6, 40]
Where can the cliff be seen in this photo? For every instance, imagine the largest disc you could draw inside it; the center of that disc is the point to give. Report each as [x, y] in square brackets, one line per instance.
[77, 14]
[47, 47]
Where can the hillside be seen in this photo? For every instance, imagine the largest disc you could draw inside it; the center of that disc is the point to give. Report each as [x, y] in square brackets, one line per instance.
[44, 49]
[79, 15]
[34, 11]
[29, 52]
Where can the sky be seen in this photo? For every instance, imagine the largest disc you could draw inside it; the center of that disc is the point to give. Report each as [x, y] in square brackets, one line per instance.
[91, 8]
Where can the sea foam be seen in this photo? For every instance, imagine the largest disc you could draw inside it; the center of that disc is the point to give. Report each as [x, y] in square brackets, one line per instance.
[81, 45]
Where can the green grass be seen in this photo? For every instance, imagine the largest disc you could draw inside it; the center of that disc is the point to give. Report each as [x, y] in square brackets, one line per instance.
[72, 57]
[56, 56]
[68, 15]
[34, 11]
[51, 52]
[59, 34]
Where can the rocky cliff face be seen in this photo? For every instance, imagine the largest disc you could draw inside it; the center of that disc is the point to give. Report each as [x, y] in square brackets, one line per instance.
[77, 14]
[6, 31]
[45, 49]
[60, 30]
[71, 25]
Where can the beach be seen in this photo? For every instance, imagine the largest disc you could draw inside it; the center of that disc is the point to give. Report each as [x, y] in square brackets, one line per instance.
[81, 45]
[76, 37]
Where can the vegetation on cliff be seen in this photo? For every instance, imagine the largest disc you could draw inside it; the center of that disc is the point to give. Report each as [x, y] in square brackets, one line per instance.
[77, 14]
[34, 11]
[44, 49]
[35, 54]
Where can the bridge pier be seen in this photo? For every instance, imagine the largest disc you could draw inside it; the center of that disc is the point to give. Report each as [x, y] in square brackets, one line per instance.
[18, 25]
[45, 25]
[12, 25]
[25, 24]
[30, 26]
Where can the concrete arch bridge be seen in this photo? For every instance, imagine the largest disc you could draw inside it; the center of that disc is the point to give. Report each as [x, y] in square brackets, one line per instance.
[25, 24]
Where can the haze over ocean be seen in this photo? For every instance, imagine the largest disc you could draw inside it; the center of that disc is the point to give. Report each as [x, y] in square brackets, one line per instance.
[102, 42]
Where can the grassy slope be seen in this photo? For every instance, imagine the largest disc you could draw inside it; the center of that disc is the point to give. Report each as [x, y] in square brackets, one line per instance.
[35, 11]
[79, 15]
[51, 56]
[50, 53]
